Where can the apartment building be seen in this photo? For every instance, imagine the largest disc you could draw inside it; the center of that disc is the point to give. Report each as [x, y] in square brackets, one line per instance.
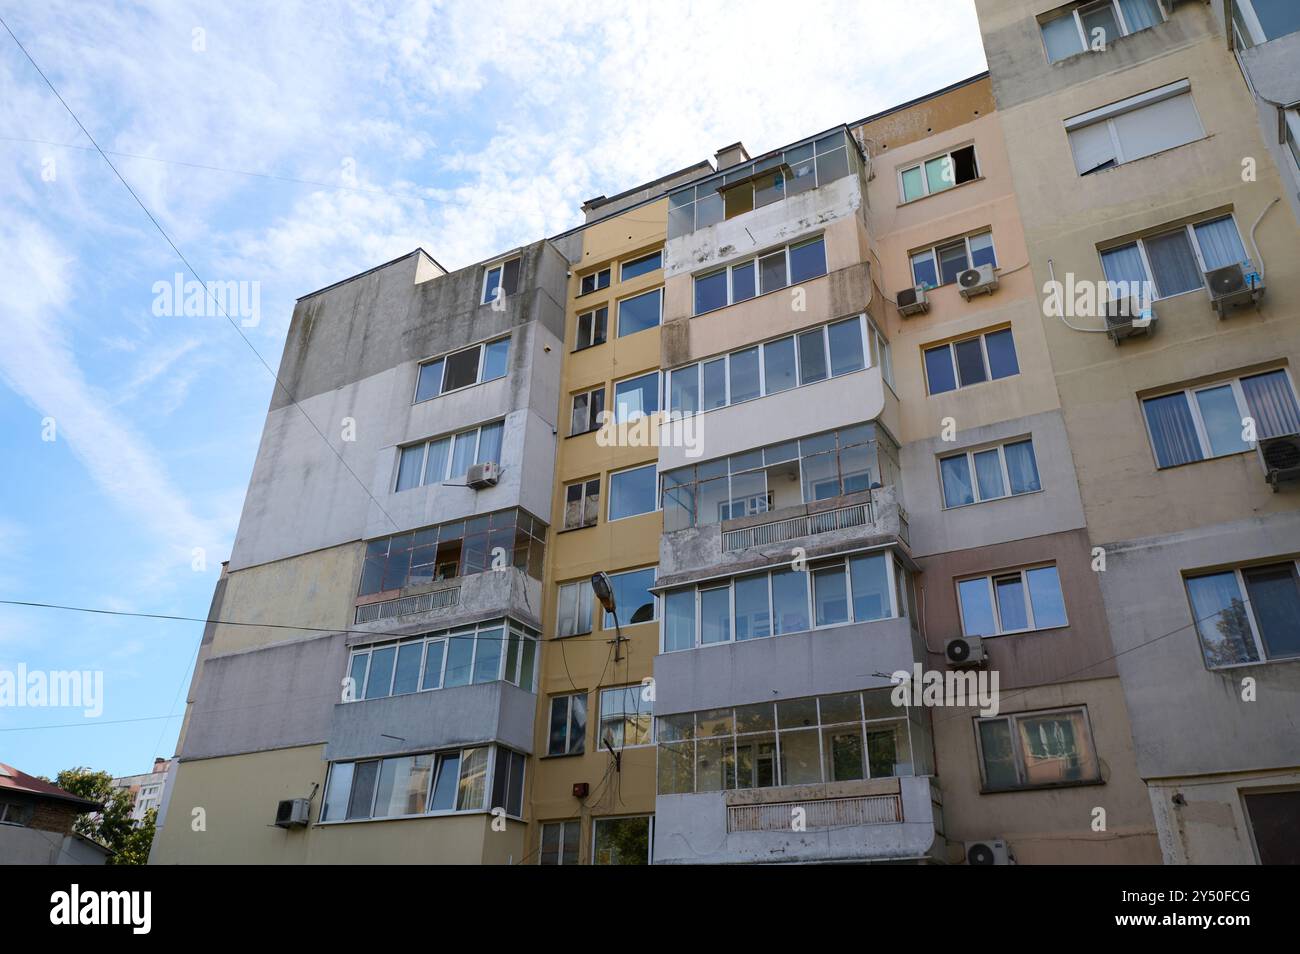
[1141, 168]
[374, 700]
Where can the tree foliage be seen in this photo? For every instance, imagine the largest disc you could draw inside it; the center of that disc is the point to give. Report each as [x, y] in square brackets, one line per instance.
[113, 827]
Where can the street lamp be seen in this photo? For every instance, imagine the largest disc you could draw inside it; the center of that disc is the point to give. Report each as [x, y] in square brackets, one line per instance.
[605, 593]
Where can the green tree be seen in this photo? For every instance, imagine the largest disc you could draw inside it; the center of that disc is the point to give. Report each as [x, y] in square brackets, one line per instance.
[113, 827]
[136, 845]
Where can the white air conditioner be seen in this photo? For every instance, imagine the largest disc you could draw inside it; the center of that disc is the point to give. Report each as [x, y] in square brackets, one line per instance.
[1281, 459]
[1125, 317]
[913, 301]
[965, 652]
[992, 852]
[484, 475]
[981, 280]
[1233, 286]
[293, 813]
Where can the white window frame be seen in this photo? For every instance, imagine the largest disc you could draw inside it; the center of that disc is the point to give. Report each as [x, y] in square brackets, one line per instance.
[952, 358]
[1021, 572]
[451, 454]
[933, 252]
[607, 271]
[569, 741]
[563, 824]
[650, 834]
[585, 495]
[1017, 749]
[969, 454]
[612, 411]
[1251, 21]
[925, 176]
[1190, 229]
[600, 713]
[1107, 114]
[618, 330]
[497, 266]
[482, 347]
[610, 493]
[758, 281]
[584, 592]
[1202, 435]
[1292, 135]
[591, 329]
[622, 266]
[1262, 656]
[1077, 13]
[573, 400]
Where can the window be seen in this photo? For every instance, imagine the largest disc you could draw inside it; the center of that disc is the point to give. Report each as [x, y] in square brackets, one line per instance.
[766, 180]
[1258, 21]
[560, 842]
[978, 475]
[843, 737]
[850, 460]
[500, 281]
[12, 813]
[774, 366]
[427, 783]
[568, 727]
[1247, 615]
[985, 357]
[1209, 421]
[636, 397]
[1133, 128]
[582, 504]
[1273, 817]
[487, 652]
[455, 549]
[446, 458]
[593, 281]
[574, 608]
[858, 589]
[622, 841]
[641, 266]
[587, 410]
[1030, 749]
[942, 264]
[461, 369]
[632, 598]
[626, 717]
[591, 328]
[1017, 602]
[938, 173]
[1293, 134]
[632, 492]
[640, 313]
[772, 271]
[1176, 259]
[1075, 30]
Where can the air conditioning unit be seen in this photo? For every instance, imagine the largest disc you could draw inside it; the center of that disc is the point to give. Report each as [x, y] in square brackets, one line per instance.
[293, 813]
[484, 475]
[1233, 286]
[982, 280]
[987, 852]
[913, 301]
[965, 652]
[1281, 459]
[1125, 317]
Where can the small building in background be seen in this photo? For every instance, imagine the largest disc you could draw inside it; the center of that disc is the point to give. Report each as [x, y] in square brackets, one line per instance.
[146, 790]
[36, 823]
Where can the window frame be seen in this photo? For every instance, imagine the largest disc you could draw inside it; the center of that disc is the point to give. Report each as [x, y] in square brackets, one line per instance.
[1189, 228]
[969, 453]
[657, 392]
[597, 820]
[499, 266]
[564, 824]
[1011, 719]
[592, 314]
[951, 346]
[592, 418]
[1238, 571]
[1250, 20]
[991, 579]
[623, 265]
[753, 261]
[618, 329]
[607, 625]
[572, 746]
[583, 589]
[607, 271]
[933, 252]
[1189, 393]
[585, 494]
[610, 494]
[454, 437]
[482, 347]
[1089, 6]
[637, 687]
[1108, 113]
[925, 175]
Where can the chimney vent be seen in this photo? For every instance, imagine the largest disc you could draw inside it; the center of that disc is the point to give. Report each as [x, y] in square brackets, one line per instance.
[730, 155]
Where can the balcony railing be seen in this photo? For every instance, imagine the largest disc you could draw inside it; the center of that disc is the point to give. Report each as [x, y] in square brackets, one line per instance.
[858, 515]
[818, 813]
[406, 605]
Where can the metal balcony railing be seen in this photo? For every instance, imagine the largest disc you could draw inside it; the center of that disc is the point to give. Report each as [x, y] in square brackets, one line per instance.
[406, 605]
[818, 813]
[857, 515]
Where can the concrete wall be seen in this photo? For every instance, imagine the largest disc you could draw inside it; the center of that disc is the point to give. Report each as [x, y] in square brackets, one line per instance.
[1211, 826]
[31, 846]
[1271, 70]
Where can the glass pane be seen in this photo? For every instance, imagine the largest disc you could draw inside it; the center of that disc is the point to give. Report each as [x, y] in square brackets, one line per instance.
[1045, 597]
[858, 468]
[830, 596]
[1100, 26]
[715, 383]
[778, 365]
[807, 261]
[771, 272]
[632, 492]
[642, 266]
[495, 359]
[409, 467]
[1220, 243]
[970, 361]
[357, 672]
[430, 383]
[403, 786]
[957, 489]
[489, 442]
[753, 619]
[363, 789]
[462, 455]
[679, 622]
[923, 270]
[636, 397]
[800, 757]
[843, 753]
[460, 655]
[676, 774]
[710, 292]
[821, 479]
[1272, 404]
[684, 390]
[622, 841]
[381, 672]
[1022, 467]
[981, 250]
[461, 370]
[790, 601]
[632, 597]
[976, 608]
[557, 738]
[913, 186]
[1011, 603]
[473, 779]
[1056, 748]
[639, 313]
[812, 356]
[940, 174]
[715, 765]
[338, 792]
[1275, 599]
[939, 371]
[870, 581]
[1276, 17]
[744, 375]
[407, 677]
[444, 789]
[1173, 433]
[487, 659]
[742, 282]
[952, 261]
[433, 664]
[846, 346]
[988, 472]
[1002, 354]
[715, 616]
[832, 165]
[577, 723]
[1222, 420]
[1174, 263]
[1220, 616]
[998, 756]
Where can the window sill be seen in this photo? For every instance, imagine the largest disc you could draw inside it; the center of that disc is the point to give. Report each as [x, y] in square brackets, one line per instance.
[463, 387]
[590, 430]
[1051, 786]
[1234, 667]
[585, 526]
[1024, 632]
[931, 195]
[422, 815]
[561, 755]
[585, 632]
[586, 347]
[1205, 460]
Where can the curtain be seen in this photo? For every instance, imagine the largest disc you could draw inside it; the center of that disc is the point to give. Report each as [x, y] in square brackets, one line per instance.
[1173, 432]
[956, 481]
[1061, 37]
[1220, 243]
[1124, 265]
[1174, 264]
[489, 442]
[436, 468]
[1021, 467]
[1139, 14]
[1271, 404]
[988, 473]
[1220, 617]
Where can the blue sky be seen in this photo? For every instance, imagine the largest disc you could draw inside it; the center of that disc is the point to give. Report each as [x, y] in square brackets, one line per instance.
[465, 128]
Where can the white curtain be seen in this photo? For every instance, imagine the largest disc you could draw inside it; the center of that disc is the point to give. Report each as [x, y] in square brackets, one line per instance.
[1139, 14]
[1220, 243]
[1271, 404]
[1174, 264]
